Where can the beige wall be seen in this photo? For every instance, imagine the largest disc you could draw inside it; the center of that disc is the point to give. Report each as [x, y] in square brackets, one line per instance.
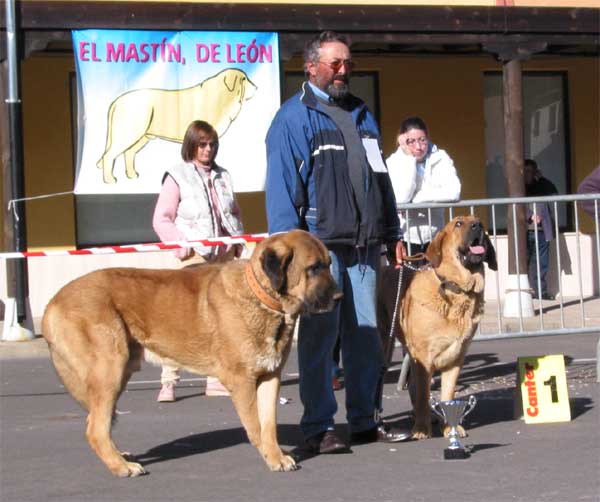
[446, 91]
[448, 94]
[48, 150]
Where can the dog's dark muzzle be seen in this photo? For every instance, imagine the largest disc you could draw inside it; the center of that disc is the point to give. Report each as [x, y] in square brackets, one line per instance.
[325, 299]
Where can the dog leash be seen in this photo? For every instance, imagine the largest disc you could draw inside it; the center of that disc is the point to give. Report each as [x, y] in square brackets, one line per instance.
[389, 345]
[403, 265]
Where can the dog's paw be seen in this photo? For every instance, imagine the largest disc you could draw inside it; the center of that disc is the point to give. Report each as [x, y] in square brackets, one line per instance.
[283, 463]
[421, 432]
[461, 431]
[128, 470]
[134, 469]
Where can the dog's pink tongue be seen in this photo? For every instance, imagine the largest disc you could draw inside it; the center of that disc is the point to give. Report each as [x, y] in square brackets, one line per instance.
[477, 249]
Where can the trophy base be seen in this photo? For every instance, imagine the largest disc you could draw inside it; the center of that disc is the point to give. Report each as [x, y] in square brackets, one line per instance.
[456, 454]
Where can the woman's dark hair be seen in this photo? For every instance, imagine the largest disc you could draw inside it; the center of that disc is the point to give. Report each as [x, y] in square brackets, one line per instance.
[311, 49]
[412, 123]
[197, 131]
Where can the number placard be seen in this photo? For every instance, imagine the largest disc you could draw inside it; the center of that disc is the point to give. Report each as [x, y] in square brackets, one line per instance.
[544, 393]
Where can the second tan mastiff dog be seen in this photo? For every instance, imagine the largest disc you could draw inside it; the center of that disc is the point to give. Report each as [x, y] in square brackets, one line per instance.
[440, 310]
[234, 320]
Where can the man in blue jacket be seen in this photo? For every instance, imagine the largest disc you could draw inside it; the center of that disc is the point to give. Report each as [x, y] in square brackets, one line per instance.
[326, 175]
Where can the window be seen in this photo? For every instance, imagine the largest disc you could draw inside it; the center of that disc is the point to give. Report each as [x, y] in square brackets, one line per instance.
[545, 130]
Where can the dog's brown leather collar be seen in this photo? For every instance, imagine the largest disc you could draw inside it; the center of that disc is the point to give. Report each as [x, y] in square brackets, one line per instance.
[416, 257]
[450, 285]
[260, 292]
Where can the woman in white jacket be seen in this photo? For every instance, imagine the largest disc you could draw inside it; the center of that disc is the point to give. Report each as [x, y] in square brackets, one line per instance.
[421, 173]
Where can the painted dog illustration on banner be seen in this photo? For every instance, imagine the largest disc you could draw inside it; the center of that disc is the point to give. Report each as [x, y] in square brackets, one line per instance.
[136, 117]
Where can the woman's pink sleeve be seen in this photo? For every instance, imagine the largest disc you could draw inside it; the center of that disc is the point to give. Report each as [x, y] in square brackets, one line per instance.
[165, 212]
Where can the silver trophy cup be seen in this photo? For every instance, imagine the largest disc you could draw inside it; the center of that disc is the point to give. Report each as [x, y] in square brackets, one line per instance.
[452, 413]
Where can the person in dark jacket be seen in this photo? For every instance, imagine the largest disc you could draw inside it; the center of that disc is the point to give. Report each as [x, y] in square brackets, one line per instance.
[540, 222]
[590, 184]
[325, 174]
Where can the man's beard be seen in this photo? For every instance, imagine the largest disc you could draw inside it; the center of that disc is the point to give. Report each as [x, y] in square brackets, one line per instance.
[338, 92]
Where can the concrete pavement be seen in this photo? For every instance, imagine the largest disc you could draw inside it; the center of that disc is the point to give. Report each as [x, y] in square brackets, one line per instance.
[195, 449]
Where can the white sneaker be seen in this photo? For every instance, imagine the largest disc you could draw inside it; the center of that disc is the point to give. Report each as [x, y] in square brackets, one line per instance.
[167, 393]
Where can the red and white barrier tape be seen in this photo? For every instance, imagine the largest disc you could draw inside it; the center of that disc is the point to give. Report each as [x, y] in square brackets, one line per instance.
[140, 248]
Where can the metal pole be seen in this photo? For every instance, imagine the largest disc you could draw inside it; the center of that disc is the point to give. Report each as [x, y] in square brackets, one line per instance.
[516, 241]
[17, 288]
[498, 305]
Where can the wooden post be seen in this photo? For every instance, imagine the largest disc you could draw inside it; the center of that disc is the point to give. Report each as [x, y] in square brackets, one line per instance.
[513, 155]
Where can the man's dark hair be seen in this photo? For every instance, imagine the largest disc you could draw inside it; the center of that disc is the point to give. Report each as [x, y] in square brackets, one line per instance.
[412, 123]
[531, 162]
[311, 49]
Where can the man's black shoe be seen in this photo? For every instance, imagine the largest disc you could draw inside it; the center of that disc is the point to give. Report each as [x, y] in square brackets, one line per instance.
[381, 434]
[327, 442]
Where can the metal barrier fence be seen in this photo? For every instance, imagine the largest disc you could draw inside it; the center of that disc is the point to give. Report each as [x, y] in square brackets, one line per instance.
[571, 320]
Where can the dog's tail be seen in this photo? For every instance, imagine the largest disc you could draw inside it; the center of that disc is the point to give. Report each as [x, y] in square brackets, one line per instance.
[109, 119]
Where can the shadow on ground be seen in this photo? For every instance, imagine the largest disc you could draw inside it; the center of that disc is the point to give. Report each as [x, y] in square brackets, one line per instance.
[289, 435]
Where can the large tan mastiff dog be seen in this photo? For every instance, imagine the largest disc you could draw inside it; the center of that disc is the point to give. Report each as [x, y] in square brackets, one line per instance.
[136, 117]
[234, 320]
[440, 311]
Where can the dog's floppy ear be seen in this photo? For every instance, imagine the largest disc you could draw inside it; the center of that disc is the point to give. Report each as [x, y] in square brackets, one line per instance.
[434, 250]
[230, 80]
[490, 254]
[248, 89]
[274, 264]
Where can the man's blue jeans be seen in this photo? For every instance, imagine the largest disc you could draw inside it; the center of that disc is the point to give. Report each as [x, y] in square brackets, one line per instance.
[355, 271]
[544, 252]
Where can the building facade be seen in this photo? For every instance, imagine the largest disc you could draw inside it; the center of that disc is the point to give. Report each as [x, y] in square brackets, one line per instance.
[443, 62]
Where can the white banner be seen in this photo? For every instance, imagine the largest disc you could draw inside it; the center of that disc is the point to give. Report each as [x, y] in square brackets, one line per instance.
[139, 90]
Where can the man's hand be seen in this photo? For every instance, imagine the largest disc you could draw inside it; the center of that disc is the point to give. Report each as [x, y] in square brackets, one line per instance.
[400, 253]
[537, 218]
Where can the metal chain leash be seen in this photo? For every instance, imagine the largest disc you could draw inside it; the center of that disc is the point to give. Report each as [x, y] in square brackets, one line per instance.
[403, 265]
[389, 348]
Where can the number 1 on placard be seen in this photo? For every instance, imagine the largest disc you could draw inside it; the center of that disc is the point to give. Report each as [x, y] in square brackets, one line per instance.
[536, 374]
[553, 389]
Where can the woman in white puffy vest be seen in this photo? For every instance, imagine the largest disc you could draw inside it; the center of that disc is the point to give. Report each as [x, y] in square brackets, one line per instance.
[421, 173]
[197, 201]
